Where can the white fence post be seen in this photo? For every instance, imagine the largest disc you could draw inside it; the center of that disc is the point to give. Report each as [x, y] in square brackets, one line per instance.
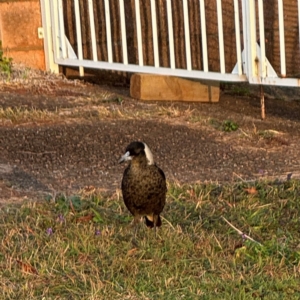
[48, 42]
[281, 38]
[249, 29]
[78, 35]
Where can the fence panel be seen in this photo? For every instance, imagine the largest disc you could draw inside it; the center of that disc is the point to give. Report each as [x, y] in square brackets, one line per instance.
[223, 40]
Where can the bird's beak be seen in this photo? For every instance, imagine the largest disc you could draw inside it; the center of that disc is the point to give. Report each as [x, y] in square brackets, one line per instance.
[125, 157]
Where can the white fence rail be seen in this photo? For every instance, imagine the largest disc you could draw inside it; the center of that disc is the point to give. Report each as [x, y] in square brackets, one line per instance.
[249, 22]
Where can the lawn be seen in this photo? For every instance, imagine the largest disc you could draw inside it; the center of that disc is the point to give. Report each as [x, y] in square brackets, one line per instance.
[83, 246]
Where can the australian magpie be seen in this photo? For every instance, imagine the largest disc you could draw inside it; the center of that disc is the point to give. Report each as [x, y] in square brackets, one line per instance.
[143, 185]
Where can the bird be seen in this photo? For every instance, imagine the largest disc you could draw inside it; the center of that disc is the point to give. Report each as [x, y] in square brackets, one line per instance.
[143, 185]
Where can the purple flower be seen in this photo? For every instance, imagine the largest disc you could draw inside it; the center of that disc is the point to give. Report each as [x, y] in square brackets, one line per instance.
[243, 236]
[61, 218]
[49, 231]
[97, 232]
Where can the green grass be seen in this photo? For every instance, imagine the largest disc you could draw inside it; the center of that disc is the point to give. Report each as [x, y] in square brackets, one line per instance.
[82, 246]
[5, 63]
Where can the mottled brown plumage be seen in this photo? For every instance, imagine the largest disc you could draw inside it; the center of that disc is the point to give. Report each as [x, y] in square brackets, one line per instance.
[143, 185]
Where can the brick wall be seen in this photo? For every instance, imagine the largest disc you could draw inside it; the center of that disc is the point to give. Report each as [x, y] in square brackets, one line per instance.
[19, 22]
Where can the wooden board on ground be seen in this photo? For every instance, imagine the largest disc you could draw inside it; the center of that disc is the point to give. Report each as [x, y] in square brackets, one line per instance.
[170, 88]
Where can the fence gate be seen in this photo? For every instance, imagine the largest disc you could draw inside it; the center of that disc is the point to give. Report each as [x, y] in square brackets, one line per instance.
[223, 40]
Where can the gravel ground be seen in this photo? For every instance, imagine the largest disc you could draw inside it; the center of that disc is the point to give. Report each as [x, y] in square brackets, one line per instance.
[84, 128]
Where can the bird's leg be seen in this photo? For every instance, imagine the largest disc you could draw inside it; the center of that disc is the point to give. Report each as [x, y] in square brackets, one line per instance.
[155, 218]
[136, 222]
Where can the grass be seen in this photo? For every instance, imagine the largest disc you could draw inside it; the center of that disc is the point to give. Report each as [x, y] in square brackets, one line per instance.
[237, 89]
[82, 246]
[5, 63]
[21, 115]
[92, 110]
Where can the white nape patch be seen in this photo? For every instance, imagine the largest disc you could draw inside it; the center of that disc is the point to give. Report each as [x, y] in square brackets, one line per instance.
[149, 155]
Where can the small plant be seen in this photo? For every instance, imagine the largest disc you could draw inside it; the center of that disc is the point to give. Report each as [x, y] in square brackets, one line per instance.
[5, 63]
[236, 88]
[226, 125]
[195, 119]
[229, 126]
[266, 134]
[241, 90]
[118, 100]
[26, 73]
[215, 123]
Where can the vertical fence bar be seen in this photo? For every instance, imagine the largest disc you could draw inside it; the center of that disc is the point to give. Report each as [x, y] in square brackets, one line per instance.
[252, 40]
[187, 35]
[55, 34]
[123, 32]
[249, 30]
[299, 22]
[48, 43]
[108, 31]
[221, 37]
[262, 39]
[281, 38]
[171, 34]
[203, 36]
[93, 32]
[245, 36]
[78, 35]
[154, 33]
[139, 32]
[237, 36]
[61, 26]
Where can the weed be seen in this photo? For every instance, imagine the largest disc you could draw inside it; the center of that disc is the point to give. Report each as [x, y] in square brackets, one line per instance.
[266, 134]
[236, 88]
[241, 91]
[196, 119]
[26, 73]
[215, 123]
[273, 137]
[5, 63]
[229, 126]
[117, 100]
[226, 125]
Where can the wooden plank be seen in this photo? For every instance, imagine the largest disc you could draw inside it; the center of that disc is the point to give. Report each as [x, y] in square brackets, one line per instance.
[158, 87]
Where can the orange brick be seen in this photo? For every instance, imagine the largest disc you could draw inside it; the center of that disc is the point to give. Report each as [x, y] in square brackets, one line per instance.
[34, 58]
[19, 22]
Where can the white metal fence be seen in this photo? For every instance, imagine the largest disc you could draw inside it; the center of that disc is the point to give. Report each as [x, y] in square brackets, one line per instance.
[252, 64]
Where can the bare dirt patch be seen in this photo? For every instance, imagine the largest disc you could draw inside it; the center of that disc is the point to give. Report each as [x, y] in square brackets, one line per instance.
[80, 130]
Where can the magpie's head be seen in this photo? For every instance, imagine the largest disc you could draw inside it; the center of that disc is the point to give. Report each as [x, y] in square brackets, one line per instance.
[137, 149]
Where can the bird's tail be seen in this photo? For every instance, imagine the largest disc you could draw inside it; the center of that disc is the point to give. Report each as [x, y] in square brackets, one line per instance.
[151, 219]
